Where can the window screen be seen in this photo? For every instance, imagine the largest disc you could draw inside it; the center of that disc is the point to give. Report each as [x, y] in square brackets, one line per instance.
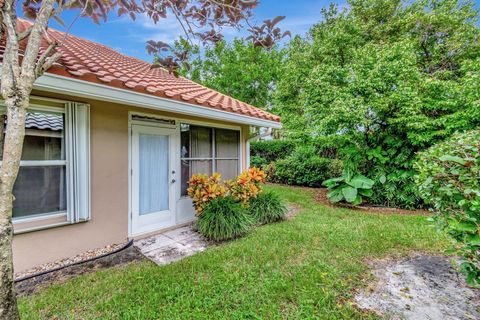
[208, 150]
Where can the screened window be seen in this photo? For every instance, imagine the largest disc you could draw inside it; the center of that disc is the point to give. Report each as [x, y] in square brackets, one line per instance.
[208, 150]
[47, 183]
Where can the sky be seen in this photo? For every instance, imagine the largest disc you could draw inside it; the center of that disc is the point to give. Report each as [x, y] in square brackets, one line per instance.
[129, 36]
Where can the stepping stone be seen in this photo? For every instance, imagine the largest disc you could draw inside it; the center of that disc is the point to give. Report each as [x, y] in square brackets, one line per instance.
[172, 245]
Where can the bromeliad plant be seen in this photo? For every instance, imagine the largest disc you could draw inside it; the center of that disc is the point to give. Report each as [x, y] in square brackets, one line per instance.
[349, 188]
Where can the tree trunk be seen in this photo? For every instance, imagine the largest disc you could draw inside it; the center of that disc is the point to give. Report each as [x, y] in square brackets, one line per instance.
[16, 113]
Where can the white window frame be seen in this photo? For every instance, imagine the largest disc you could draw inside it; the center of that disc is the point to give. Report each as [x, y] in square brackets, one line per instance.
[76, 162]
[213, 158]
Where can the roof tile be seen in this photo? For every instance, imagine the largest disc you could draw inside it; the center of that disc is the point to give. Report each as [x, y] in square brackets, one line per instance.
[93, 62]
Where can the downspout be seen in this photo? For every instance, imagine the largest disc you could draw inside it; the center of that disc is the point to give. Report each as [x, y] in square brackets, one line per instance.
[255, 138]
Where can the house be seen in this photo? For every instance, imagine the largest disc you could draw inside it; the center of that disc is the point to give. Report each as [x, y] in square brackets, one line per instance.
[110, 145]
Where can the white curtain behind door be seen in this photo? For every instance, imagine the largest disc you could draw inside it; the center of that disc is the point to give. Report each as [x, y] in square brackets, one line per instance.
[153, 178]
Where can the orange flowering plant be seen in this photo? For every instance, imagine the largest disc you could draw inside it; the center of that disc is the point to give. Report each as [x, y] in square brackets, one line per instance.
[247, 185]
[203, 189]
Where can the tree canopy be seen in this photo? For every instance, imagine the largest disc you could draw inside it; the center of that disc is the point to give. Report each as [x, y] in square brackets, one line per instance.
[386, 79]
[239, 69]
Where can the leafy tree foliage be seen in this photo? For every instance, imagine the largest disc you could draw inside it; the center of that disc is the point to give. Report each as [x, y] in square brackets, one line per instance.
[386, 79]
[449, 180]
[240, 69]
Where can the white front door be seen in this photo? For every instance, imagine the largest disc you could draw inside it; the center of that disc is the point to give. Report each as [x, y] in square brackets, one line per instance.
[153, 179]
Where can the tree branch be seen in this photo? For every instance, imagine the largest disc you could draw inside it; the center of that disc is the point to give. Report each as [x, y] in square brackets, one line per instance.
[67, 32]
[46, 60]
[175, 12]
[25, 33]
[34, 41]
[10, 56]
[48, 63]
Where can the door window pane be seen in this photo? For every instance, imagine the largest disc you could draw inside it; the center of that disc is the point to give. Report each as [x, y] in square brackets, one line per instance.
[185, 140]
[154, 168]
[39, 190]
[196, 142]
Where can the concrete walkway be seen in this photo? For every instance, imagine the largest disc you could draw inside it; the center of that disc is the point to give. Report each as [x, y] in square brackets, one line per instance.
[171, 245]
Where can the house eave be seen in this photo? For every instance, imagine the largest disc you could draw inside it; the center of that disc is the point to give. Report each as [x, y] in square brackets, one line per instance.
[69, 86]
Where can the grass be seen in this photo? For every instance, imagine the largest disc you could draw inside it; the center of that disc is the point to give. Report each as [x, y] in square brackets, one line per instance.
[306, 268]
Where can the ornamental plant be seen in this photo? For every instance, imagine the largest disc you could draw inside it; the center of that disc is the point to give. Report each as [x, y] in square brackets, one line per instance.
[221, 207]
[224, 218]
[203, 189]
[267, 207]
[349, 188]
[449, 180]
[247, 185]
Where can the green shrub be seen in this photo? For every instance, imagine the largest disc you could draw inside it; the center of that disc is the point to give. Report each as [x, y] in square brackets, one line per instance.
[258, 162]
[397, 190]
[449, 180]
[223, 218]
[271, 171]
[304, 167]
[267, 207]
[350, 188]
[335, 168]
[272, 150]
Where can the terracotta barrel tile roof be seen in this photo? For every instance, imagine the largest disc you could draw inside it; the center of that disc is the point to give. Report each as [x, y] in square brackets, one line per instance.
[93, 62]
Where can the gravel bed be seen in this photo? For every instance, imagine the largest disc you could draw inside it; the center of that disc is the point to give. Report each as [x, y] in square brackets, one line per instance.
[32, 285]
[64, 262]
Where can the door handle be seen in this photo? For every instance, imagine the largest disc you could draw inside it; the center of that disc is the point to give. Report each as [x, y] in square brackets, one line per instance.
[173, 180]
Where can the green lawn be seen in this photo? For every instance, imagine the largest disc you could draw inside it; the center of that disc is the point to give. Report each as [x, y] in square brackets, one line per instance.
[300, 269]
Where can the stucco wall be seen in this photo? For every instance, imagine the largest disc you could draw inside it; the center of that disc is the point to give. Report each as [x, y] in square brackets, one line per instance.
[109, 191]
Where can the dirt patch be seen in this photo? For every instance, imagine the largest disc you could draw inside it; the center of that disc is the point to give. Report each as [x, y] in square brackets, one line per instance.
[321, 197]
[293, 211]
[420, 287]
[34, 284]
